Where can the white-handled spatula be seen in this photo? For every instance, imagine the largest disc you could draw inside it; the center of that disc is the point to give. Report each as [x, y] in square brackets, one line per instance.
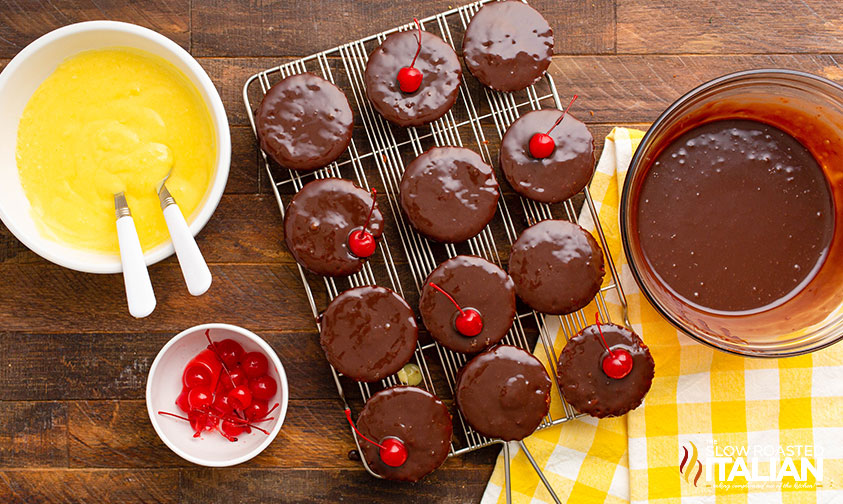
[139, 293]
[195, 270]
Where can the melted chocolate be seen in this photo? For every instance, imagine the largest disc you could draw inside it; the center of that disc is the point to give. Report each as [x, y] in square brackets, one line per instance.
[449, 194]
[557, 267]
[474, 283]
[555, 178]
[735, 215]
[319, 220]
[504, 393]
[508, 45]
[416, 417]
[441, 74]
[584, 384]
[304, 122]
[368, 333]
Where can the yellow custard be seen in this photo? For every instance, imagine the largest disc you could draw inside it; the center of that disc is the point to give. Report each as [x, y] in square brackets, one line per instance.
[107, 121]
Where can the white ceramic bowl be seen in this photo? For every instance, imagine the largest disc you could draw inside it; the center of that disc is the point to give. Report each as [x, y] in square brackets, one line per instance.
[164, 385]
[36, 62]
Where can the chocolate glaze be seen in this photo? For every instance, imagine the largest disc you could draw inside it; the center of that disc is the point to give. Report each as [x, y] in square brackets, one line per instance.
[441, 75]
[508, 45]
[368, 333]
[320, 218]
[557, 267]
[555, 178]
[416, 417]
[304, 122]
[735, 215]
[474, 283]
[449, 194]
[504, 393]
[584, 384]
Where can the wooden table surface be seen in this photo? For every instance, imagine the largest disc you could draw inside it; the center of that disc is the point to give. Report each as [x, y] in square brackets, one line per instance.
[73, 364]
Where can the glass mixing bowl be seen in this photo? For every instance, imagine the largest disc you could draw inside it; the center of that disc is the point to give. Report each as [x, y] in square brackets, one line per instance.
[810, 109]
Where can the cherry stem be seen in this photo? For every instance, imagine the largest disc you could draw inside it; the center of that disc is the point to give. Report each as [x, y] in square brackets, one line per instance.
[167, 413]
[217, 418]
[348, 416]
[440, 289]
[563, 115]
[371, 211]
[600, 330]
[213, 346]
[419, 48]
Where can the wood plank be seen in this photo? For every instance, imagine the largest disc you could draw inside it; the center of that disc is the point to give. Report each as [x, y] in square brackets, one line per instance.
[22, 21]
[721, 26]
[115, 366]
[118, 434]
[48, 298]
[80, 486]
[243, 175]
[330, 485]
[638, 88]
[281, 27]
[33, 434]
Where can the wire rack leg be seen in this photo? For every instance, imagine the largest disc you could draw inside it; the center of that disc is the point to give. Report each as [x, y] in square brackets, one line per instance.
[507, 481]
[539, 472]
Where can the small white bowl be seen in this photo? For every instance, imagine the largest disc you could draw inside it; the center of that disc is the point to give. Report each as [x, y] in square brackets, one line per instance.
[36, 62]
[164, 385]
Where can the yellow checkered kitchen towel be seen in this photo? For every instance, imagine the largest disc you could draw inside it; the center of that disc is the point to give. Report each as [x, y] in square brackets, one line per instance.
[714, 415]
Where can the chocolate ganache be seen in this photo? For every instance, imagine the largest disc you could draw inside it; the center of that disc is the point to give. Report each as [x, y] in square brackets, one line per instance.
[416, 417]
[368, 333]
[441, 76]
[504, 393]
[304, 122]
[735, 216]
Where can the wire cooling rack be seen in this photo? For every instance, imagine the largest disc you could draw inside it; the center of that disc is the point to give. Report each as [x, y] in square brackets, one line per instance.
[377, 156]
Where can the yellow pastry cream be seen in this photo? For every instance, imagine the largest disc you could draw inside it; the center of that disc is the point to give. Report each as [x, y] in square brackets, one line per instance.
[107, 121]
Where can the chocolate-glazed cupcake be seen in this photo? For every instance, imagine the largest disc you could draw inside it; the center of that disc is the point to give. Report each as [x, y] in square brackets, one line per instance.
[475, 284]
[304, 122]
[319, 221]
[557, 177]
[586, 386]
[416, 417]
[504, 393]
[368, 333]
[508, 45]
[441, 75]
[557, 267]
[449, 194]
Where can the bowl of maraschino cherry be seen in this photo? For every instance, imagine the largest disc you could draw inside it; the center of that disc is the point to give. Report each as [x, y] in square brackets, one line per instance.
[217, 395]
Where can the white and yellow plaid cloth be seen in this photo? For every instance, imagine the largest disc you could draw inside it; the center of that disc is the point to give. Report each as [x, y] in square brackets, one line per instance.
[703, 403]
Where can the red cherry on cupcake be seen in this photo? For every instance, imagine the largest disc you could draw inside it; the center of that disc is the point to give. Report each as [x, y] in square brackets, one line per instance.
[263, 387]
[410, 78]
[469, 323]
[392, 450]
[618, 363]
[542, 144]
[240, 397]
[361, 242]
[254, 364]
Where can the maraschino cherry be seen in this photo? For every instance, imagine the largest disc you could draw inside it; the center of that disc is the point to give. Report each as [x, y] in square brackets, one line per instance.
[618, 363]
[410, 78]
[391, 450]
[362, 242]
[542, 144]
[469, 323]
